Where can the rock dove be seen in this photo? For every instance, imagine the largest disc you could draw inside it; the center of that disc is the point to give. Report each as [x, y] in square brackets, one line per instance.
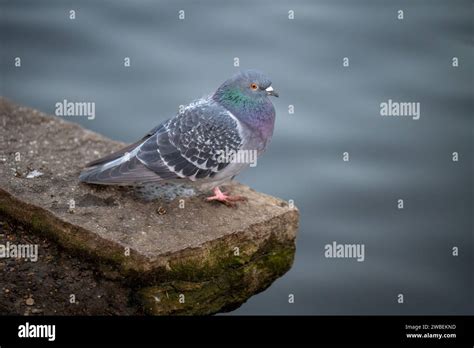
[238, 118]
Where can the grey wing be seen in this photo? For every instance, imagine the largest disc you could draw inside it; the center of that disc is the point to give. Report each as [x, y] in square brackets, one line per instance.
[192, 144]
[187, 146]
[126, 149]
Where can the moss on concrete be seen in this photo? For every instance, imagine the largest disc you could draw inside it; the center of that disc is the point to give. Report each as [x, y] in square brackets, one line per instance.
[227, 290]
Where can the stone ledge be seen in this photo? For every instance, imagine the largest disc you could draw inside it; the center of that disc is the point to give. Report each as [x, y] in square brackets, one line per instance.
[157, 249]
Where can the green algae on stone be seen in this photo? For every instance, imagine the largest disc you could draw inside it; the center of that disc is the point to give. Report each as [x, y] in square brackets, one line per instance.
[228, 290]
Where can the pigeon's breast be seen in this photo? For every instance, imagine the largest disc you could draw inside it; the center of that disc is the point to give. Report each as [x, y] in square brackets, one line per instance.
[261, 126]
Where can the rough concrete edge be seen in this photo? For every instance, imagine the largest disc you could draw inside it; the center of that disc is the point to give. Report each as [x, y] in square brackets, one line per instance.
[84, 243]
[7, 104]
[80, 241]
[189, 264]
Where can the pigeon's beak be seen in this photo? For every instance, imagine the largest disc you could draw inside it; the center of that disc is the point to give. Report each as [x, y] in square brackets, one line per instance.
[270, 91]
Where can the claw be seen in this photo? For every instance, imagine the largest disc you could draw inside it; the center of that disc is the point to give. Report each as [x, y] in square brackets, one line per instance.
[225, 198]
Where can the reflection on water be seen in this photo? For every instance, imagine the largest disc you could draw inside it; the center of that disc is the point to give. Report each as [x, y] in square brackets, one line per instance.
[336, 110]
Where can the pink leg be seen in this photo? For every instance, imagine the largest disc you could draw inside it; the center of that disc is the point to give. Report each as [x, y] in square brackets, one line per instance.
[224, 198]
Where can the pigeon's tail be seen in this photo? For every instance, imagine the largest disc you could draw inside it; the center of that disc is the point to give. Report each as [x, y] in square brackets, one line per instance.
[125, 170]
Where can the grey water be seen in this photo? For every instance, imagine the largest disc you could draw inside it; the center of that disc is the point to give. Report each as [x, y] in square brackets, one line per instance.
[408, 251]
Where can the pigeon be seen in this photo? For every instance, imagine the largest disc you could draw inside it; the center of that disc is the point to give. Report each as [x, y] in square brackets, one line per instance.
[201, 144]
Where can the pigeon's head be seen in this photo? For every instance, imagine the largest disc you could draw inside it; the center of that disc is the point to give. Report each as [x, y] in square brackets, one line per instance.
[247, 86]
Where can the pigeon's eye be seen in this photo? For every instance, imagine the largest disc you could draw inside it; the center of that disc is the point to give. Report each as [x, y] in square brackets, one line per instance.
[254, 86]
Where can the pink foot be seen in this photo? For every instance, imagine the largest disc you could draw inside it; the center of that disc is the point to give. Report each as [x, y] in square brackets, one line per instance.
[224, 198]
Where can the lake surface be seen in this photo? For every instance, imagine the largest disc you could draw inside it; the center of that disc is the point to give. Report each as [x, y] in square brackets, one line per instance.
[336, 110]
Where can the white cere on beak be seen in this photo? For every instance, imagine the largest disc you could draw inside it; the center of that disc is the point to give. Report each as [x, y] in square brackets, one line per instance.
[269, 89]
